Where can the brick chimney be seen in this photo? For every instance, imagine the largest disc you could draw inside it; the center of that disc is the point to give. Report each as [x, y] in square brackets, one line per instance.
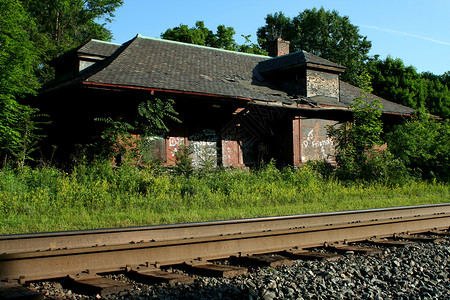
[278, 47]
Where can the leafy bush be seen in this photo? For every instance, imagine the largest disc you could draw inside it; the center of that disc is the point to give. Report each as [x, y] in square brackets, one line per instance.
[423, 144]
[355, 140]
[127, 138]
[359, 150]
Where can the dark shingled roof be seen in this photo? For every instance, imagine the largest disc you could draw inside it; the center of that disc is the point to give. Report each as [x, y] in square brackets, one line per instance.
[173, 66]
[98, 48]
[295, 59]
[169, 65]
[350, 92]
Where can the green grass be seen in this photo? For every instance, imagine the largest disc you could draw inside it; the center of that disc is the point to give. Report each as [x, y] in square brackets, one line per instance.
[101, 196]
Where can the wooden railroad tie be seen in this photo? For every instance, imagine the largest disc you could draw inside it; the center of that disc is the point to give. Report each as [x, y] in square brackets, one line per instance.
[418, 238]
[215, 270]
[158, 276]
[266, 260]
[13, 291]
[312, 255]
[440, 232]
[355, 249]
[391, 243]
[94, 284]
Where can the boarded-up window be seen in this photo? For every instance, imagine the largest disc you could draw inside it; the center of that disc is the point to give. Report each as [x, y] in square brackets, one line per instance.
[203, 145]
[204, 154]
[314, 141]
[154, 148]
[231, 153]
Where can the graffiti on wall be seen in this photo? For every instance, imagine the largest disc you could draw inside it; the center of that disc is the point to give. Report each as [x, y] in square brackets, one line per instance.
[174, 145]
[315, 142]
[203, 145]
[176, 141]
[204, 154]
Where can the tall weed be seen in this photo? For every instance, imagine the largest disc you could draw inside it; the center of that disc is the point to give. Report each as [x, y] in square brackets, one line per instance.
[101, 195]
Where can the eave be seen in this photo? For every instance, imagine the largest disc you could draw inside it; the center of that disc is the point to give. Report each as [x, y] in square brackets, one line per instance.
[153, 90]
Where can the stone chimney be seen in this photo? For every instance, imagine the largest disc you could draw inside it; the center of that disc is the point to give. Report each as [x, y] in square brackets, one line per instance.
[278, 47]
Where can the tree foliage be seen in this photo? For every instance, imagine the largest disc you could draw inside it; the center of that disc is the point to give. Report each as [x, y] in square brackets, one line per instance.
[445, 79]
[200, 35]
[120, 136]
[65, 24]
[438, 93]
[357, 143]
[392, 80]
[31, 33]
[323, 33]
[17, 78]
[152, 114]
[354, 141]
[424, 146]
[18, 54]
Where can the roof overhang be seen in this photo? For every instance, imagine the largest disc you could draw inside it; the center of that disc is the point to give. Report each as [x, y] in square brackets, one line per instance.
[295, 105]
[153, 90]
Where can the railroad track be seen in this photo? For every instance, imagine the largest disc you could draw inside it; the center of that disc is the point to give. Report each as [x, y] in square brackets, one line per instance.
[83, 254]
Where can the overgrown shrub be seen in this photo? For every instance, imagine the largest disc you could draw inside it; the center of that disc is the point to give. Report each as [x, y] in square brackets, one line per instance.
[359, 154]
[423, 144]
[128, 139]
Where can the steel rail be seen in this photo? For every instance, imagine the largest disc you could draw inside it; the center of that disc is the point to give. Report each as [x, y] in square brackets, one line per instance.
[118, 236]
[59, 263]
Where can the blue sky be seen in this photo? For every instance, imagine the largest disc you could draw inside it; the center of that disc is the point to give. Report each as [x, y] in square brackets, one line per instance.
[418, 32]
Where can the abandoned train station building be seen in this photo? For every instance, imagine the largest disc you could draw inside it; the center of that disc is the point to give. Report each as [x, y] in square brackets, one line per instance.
[241, 108]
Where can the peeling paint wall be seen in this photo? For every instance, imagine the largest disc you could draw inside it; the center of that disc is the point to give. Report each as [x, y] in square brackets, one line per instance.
[231, 154]
[247, 136]
[322, 83]
[308, 140]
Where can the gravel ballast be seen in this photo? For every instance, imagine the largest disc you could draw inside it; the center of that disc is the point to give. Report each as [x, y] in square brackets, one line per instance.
[418, 271]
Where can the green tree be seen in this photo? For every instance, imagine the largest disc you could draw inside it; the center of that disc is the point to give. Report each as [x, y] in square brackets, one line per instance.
[437, 96]
[277, 26]
[18, 53]
[65, 24]
[200, 35]
[445, 79]
[323, 33]
[392, 80]
[355, 142]
[437, 93]
[119, 135]
[424, 145]
[17, 78]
